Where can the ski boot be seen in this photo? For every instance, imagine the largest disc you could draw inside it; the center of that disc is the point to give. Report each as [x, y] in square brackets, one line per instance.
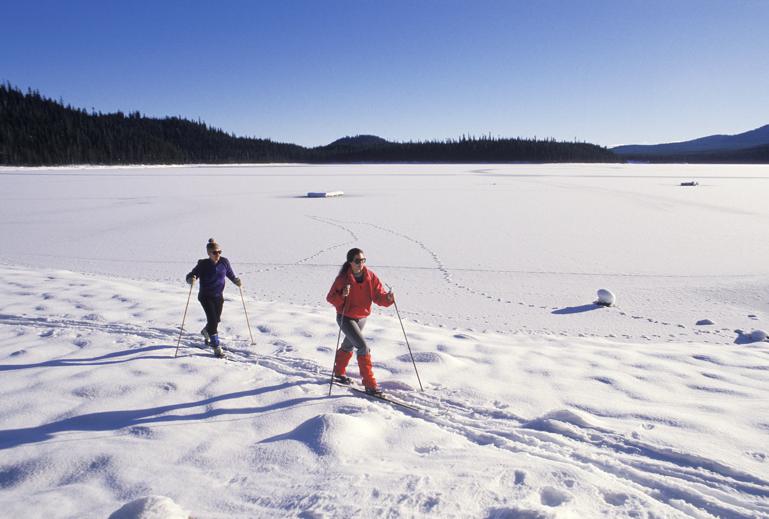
[340, 367]
[366, 373]
[218, 351]
[206, 337]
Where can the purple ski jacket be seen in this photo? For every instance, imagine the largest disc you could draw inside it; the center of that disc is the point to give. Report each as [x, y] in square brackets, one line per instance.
[212, 276]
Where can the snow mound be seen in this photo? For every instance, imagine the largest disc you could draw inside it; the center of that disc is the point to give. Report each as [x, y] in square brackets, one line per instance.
[567, 416]
[396, 385]
[330, 434]
[562, 421]
[151, 507]
[516, 513]
[423, 356]
[605, 297]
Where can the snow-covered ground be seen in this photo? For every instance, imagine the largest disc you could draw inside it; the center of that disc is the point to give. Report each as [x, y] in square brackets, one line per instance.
[537, 403]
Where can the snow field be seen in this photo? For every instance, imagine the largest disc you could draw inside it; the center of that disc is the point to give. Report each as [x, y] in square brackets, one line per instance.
[98, 412]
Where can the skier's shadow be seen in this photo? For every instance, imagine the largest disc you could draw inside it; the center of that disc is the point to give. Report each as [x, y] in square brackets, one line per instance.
[115, 420]
[576, 309]
[109, 358]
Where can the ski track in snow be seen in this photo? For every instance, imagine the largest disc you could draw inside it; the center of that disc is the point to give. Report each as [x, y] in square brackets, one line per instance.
[564, 437]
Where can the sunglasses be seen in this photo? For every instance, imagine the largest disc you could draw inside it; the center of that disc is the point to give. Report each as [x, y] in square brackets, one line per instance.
[215, 252]
[358, 261]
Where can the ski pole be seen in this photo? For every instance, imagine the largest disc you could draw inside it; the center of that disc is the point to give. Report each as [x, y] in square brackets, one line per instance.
[246, 312]
[338, 338]
[407, 339]
[184, 318]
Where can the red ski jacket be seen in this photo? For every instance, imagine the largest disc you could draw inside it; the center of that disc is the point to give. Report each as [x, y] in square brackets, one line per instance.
[361, 294]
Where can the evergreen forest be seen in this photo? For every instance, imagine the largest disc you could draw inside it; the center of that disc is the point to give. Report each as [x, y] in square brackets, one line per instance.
[37, 131]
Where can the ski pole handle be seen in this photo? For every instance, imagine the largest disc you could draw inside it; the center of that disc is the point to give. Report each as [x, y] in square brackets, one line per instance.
[390, 294]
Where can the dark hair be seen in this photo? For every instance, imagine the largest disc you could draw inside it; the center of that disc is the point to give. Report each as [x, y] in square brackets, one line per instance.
[212, 245]
[350, 256]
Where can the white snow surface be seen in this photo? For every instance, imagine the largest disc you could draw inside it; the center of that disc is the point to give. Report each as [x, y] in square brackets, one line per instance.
[537, 403]
[151, 507]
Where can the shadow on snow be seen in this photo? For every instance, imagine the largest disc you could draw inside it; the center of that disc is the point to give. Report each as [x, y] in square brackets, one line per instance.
[576, 309]
[115, 420]
[95, 361]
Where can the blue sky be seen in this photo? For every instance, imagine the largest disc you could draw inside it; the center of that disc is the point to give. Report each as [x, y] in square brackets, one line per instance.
[609, 72]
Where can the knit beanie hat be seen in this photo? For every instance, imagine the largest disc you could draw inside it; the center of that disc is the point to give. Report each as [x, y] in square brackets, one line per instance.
[212, 245]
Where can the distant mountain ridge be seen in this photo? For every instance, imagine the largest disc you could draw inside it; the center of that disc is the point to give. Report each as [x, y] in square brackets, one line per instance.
[706, 145]
[359, 141]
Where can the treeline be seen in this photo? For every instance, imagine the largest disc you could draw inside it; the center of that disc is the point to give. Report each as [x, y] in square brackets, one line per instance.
[468, 149]
[754, 155]
[37, 131]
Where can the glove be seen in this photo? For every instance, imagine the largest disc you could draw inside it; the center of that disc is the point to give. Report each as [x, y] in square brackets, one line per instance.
[238, 282]
[190, 280]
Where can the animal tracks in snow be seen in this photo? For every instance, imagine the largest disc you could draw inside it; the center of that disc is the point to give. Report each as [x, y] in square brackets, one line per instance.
[485, 300]
[353, 237]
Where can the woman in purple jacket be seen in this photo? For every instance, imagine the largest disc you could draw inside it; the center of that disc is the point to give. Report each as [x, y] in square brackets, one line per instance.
[211, 273]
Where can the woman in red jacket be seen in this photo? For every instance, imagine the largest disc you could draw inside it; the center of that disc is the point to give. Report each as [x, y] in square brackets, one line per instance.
[352, 293]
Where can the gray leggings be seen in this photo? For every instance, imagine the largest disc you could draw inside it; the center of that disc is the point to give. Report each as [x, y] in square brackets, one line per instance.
[353, 336]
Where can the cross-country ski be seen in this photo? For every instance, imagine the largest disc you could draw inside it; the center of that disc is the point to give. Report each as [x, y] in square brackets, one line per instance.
[380, 396]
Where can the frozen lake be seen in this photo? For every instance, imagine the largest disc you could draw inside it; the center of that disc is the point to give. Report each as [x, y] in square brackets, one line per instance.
[487, 247]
